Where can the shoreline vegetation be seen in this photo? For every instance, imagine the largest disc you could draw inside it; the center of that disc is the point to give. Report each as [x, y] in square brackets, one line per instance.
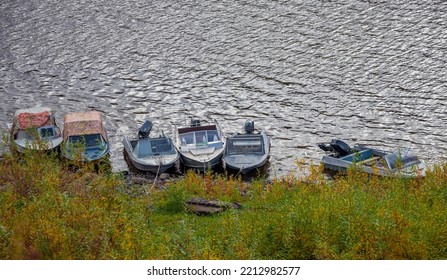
[50, 210]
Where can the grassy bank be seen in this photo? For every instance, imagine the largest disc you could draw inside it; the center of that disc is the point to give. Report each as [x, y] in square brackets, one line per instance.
[49, 211]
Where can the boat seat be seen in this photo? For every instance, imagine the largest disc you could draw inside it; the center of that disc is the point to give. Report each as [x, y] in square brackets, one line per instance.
[205, 151]
[371, 160]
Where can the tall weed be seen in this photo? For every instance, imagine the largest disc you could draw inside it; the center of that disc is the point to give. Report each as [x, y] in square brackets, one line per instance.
[50, 211]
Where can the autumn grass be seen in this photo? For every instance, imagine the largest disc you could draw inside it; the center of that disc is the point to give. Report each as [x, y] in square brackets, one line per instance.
[50, 211]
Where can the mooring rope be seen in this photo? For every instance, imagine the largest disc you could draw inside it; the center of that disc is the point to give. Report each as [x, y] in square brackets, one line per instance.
[240, 171]
[156, 175]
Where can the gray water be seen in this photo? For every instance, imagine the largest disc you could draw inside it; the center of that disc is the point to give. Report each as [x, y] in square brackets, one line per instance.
[372, 72]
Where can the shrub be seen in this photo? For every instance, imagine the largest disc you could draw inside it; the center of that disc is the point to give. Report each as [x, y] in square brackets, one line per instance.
[51, 211]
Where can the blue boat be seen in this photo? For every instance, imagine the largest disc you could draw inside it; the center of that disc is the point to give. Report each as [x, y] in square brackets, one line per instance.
[401, 162]
[85, 138]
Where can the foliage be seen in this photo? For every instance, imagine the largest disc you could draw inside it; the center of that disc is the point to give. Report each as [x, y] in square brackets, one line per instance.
[50, 211]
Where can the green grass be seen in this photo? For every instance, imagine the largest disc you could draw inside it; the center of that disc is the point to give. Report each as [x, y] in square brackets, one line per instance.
[50, 211]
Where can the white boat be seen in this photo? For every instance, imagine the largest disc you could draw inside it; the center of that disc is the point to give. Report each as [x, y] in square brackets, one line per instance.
[200, 146]
[246, 152]
[153, 154]
[85, 138]
[35, 128]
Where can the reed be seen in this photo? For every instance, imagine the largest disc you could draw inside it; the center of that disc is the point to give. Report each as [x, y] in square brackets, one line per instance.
[50, 211]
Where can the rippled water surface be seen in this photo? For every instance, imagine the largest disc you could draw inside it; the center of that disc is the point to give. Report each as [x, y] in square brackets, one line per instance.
[306, 71]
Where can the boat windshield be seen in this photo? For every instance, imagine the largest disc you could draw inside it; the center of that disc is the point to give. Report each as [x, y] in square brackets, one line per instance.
[245, 145]
[24, 135]
[89, 140]
[43, 133]
[49, 132]
[401, 159]
[199, 138]
[161, 145]
[46, 132]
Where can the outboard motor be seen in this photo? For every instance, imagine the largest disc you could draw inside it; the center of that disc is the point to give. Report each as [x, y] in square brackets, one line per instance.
[249, 126]
[326, 147]
[340, 147]
[144, 130]
[195, 122]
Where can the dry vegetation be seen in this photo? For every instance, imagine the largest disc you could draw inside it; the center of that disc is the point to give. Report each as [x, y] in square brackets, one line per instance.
[50, 211]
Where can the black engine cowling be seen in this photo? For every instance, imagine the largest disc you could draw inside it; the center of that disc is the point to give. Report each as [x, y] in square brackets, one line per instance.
[340, 147]
[249, 126]
[144, 130]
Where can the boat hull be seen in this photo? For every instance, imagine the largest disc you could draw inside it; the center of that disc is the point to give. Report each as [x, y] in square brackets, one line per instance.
[203, 162]
[151, 166]
[87, 156]
[244, 164]
[48, 146]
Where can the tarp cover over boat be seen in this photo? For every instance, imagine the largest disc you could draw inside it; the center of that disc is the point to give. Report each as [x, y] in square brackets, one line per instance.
[83, 123]
[32, 118]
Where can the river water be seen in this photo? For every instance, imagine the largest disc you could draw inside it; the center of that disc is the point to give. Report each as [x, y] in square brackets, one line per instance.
[372, 72]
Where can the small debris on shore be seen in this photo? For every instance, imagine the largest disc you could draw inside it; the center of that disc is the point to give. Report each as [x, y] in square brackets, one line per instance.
[202, 206]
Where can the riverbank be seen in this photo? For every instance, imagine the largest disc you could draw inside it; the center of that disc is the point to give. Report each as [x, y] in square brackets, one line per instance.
[52, 212]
